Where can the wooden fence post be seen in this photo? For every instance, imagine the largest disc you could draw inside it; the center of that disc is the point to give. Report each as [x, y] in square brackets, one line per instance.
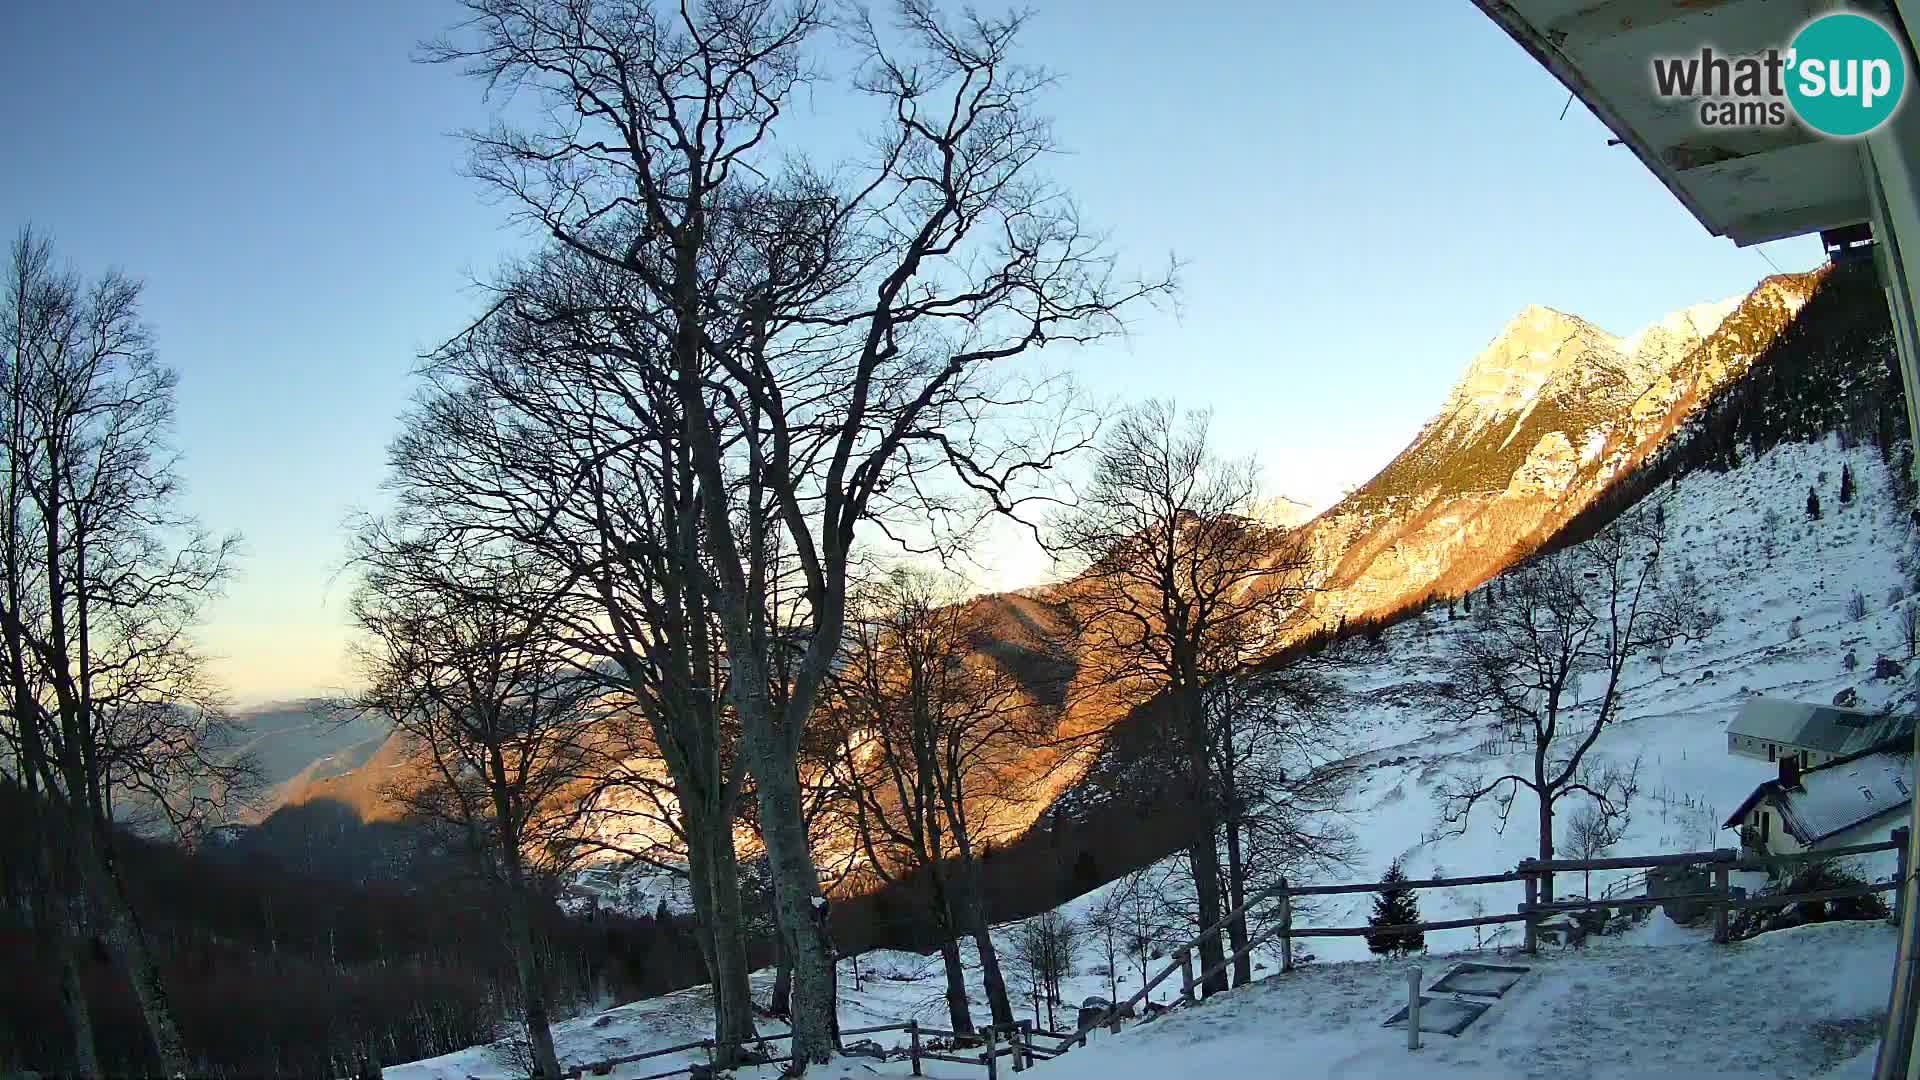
[1901, 836]
[1013, 1043]
[1413, 1009]
[1533, 897]
[991, 1057]
[1286, 927]
[1186, 975]
[1026, 1040]
[913, 1037]
[1723, 892]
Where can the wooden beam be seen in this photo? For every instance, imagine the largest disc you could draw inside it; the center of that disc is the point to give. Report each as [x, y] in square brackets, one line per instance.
[1620, 18]
[1425, 883]
[1635, 862]
[1772, 225]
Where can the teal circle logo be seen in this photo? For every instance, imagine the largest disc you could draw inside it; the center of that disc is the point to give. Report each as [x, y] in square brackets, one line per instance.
[1846, 74]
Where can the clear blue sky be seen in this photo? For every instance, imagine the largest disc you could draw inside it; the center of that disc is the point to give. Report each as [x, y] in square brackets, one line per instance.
[1363, 193]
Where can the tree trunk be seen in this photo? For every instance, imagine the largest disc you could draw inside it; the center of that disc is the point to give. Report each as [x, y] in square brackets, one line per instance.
[533, 990]
[700, 888]
[123, 931]
[1206, 887]
[947, 924]
[972, 917]
[54, 898]
[782, 1002]
[1202, 850]
[1237, 899]
[1546, 847]
[957, 1012]
[732, 993]
[527, 961]
[796, 889]
[73, 995]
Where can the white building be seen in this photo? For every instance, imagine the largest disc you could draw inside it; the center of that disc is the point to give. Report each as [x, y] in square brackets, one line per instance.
[1769, 729]
[1857, 799]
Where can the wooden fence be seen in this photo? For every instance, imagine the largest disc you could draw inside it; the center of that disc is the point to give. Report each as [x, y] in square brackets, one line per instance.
[1533, 910]
[1021, 1041]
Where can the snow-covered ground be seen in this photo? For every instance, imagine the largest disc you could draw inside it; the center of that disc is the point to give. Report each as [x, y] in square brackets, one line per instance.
[1771, 1006]
[1656, 1001]
[1794, 1003]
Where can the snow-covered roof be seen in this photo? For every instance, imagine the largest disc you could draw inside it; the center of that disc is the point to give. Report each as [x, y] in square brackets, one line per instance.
[1844, 794]
[1826, 728]
[1838, 795]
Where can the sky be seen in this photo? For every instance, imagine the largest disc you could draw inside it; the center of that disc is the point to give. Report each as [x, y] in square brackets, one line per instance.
[1362, 194]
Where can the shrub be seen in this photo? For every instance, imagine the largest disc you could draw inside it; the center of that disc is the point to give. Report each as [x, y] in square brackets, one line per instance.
[1811, 877]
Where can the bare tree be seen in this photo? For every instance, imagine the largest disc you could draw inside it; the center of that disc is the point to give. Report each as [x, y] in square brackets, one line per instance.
[1046, 947]
[1590, 832]
[826, 334]
[105, 578]
[547, 428]
[1182, 589]
[932, 737]
[1282, 776]
[478, 688]
[1551, 661]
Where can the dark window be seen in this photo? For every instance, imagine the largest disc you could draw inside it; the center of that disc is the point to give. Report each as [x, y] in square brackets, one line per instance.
[1772, 750]
[1766, 826]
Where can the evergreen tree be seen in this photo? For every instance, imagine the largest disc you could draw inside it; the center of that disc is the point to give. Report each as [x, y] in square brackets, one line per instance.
[1466, 602]
[1395, 906]
[1813, 505]
[1846, 484]
[1086, 873]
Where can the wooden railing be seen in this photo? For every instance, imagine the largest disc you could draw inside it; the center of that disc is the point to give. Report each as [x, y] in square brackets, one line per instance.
[1722, 862]
[1015, 1040]
[1531, 911]
[1019, 1040]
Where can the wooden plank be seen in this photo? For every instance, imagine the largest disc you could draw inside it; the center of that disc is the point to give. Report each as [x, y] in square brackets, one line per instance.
[929, 1055]
[1425, 883]
[1563, 906]
[1784, 899]
[1723, 893]
[682, 1070]
[1634, 862]
[1445, 924]
[628, 1059]
[1257, 941]
[1768, 862]
[870, 1030]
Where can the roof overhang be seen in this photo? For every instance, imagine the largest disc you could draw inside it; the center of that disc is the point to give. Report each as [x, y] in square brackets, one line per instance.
[1748, 185]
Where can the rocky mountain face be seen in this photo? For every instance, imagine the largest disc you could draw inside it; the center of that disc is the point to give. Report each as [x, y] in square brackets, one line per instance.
[1544, 419]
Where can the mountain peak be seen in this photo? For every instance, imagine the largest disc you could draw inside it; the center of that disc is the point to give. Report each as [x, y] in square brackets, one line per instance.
[1533, 348]
[1665, 341]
